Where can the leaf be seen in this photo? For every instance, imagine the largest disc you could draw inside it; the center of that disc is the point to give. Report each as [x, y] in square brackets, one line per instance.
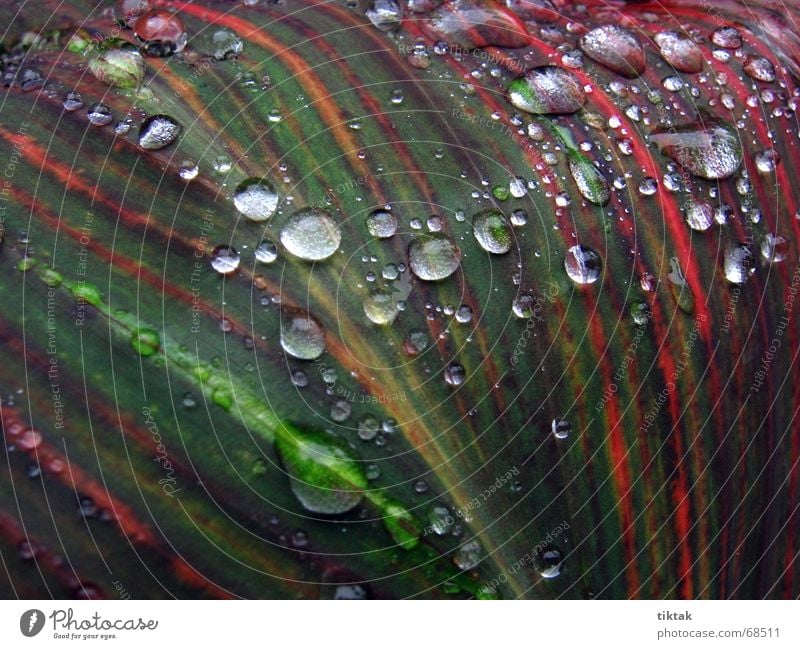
[466, 421]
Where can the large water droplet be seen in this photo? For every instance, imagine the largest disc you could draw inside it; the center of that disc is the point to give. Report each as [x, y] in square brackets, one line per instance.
[583, 265]
[301, 335]
[433, 257]
[161, 33]
[157, 132]
[727, 37]
[615, 47]
[760, 69]
[710, 150]
[492, 231]
[548, 90]
[473, 23]
[739, 263]
[590, 181]
[324, 473]
[256, 199]
[311, 234]
[122, 67]
[681, 53]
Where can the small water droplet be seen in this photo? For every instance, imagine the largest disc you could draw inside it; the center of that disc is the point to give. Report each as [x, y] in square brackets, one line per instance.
[739, 263]
[454, 374]
[301, 335]
[266, 252]
[560, 428]
[469, 555]
[699, 215]
[225, 259]
[774, 247]
[224, 44]
[583, 265]
[99, 115]
[157, 132]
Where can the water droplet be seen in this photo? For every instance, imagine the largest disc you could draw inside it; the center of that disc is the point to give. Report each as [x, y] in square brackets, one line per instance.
[99, 115]
[441, 520]
[266, 251]
[188, 170]
[472, 23]
[161, 33]
[325, 476]
[739, 263]
[157, 132]
[299, 379]
[710, 150]
[548, 562]
[256, 199]
[464, 314]
[767, 161]
[681, 53]
[548, 90]
[415, 343]
[340, 411]
[492, 231]
[225, 44]
[519, 218]
[560, 428]
[73, 101]
[385, 14]
[381, 306]
[145, 341]
[301, 335]
[727, 37]
[454, 374]
[583, 265]
[699, 215]
[640, 312]
[311, 234]
[368, 428]
[433, 257]
[774, 247]
[382, 224]
[590, 181]
[122, 67]
[469, 555]
[225, 259]
[760, 69]
[616, 48]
